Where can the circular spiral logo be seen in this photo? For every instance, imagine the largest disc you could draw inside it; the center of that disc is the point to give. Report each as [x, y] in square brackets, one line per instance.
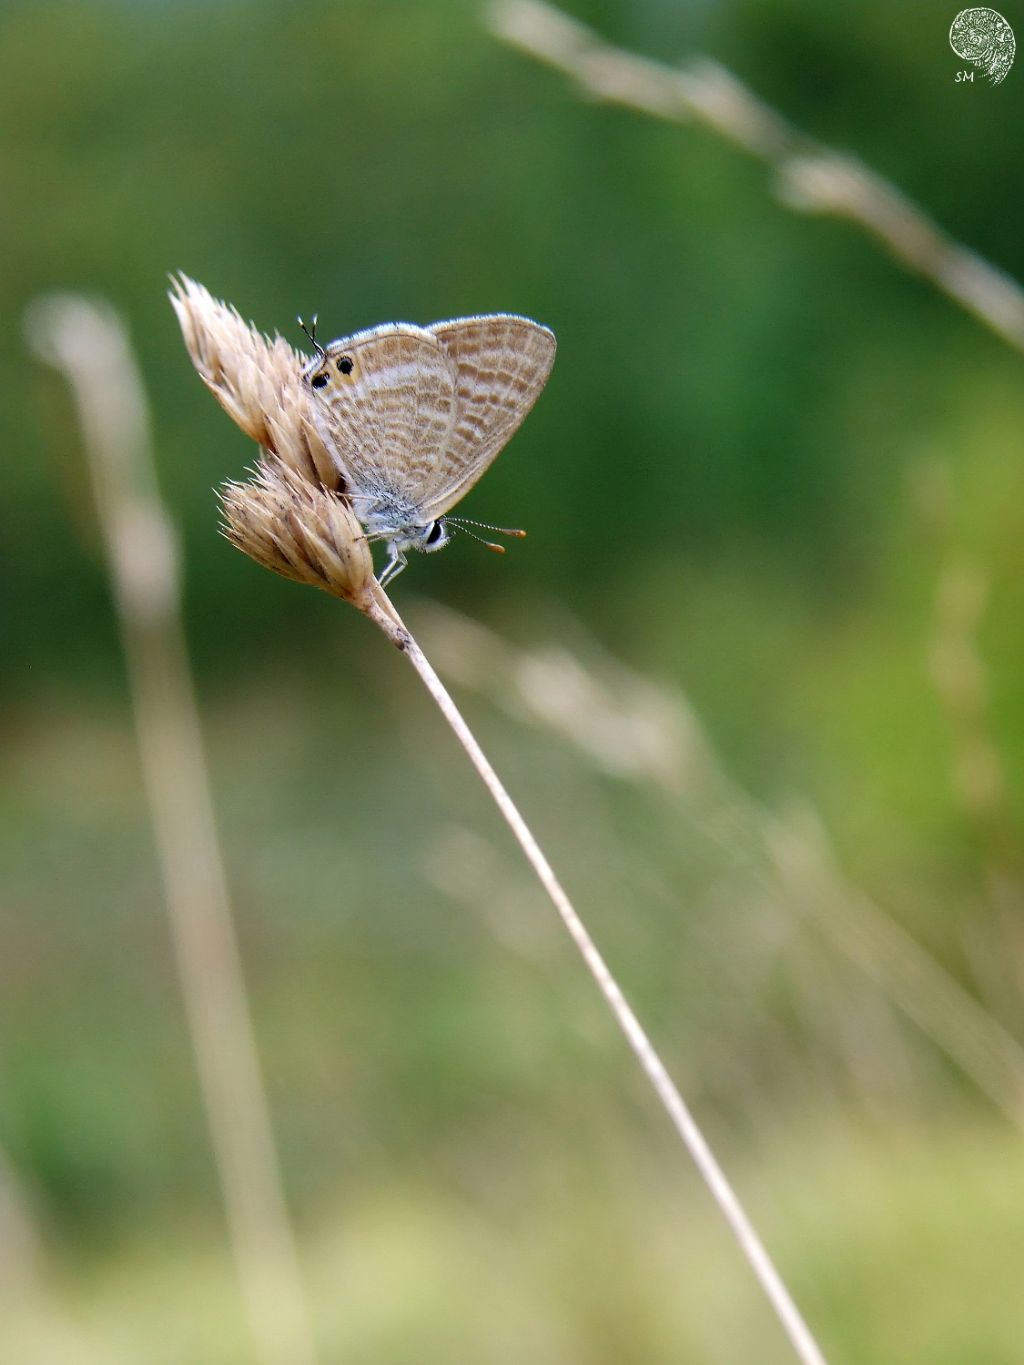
[984, 38]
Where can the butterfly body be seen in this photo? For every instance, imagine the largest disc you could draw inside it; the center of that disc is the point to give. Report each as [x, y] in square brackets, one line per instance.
[413, 416]
[387, 516]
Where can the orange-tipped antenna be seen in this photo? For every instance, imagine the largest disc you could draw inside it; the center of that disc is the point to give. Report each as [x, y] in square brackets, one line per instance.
[463, 522]
[456, 526]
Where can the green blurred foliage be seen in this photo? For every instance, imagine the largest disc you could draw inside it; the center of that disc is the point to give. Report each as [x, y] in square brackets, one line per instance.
[733, 380]
[762, 447]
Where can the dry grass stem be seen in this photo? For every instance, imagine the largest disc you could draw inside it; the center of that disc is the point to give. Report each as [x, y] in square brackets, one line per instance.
[810, 178]
[292, 521]
[88, 344]
[671, 1100]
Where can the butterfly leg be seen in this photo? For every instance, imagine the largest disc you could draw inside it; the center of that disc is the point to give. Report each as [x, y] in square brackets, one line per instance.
[394, 566]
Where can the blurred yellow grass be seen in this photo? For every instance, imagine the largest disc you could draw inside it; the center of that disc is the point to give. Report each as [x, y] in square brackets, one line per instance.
[873, 1238]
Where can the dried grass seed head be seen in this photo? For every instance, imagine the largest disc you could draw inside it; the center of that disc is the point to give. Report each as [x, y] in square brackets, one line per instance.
[298, 530]
[257, 380]
[288, 517]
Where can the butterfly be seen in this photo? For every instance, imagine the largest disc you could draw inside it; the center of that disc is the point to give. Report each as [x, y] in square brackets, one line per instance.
[413, 416]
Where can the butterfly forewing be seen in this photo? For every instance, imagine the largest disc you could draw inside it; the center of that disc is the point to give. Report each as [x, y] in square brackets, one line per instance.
[502, 363]
[387, 409]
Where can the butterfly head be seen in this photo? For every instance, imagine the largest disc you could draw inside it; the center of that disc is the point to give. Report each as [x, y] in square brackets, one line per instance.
[426, 537]
[331, 364]
[330, 369]
[389, 518]
[435, 536]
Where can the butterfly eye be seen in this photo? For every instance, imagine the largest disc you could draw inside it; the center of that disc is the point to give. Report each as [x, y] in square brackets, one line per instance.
[435, 533]
[319, 380]
[346, 364]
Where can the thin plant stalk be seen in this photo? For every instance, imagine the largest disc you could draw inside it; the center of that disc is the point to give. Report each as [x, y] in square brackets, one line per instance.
[87, 342]
[294, 518]
[643, 1049]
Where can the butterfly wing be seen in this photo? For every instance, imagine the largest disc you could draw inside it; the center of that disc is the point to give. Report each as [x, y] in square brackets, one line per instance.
[384, 402]
[502, 362]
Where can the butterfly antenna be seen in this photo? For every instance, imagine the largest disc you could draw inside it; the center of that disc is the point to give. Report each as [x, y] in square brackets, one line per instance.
[463, 522]
[311, 336]
[498, 549]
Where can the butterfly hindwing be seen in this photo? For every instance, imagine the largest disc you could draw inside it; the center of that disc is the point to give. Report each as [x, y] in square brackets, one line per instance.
[502, 362]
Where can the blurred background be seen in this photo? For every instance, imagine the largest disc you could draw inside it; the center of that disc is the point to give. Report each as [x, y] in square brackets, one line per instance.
[756, 679]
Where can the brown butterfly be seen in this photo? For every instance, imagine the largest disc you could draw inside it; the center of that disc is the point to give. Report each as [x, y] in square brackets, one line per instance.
[413, 416]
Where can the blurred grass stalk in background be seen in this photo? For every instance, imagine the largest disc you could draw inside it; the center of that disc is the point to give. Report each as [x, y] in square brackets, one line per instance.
[19, 1237]
[979, 777]
[636, 731]
[810, 178]
[88, 344]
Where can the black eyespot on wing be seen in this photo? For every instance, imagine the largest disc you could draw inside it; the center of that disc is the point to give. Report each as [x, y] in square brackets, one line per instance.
[319, 380]
[435, 533]
[346, 364]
